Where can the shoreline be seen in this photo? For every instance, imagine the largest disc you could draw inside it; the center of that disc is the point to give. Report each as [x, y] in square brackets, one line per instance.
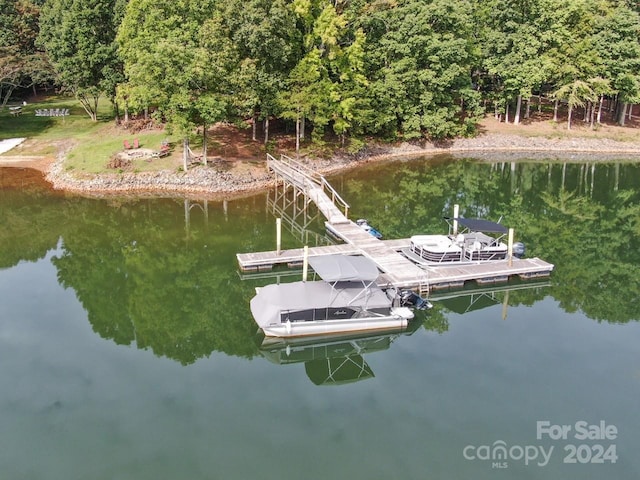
[212, 181]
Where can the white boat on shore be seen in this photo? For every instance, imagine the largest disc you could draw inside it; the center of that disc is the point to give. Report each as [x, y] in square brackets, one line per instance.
[347, 299]
[471, 245]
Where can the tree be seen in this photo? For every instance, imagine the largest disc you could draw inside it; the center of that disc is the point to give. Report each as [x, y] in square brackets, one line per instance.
[296, 102]
[327, 86]
[114, 72]
[21, 63]
[11, 72]
[601, 87]
[576, 94]
[617, 42]
[515, 39]
[268, 44]
[79, 40]
[167, 63]
[419, 60]
[573, 57]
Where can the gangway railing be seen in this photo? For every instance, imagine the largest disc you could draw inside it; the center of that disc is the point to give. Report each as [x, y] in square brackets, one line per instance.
[314, 178]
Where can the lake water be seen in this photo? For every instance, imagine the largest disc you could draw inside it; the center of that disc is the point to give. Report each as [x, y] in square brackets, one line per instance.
[128, 351]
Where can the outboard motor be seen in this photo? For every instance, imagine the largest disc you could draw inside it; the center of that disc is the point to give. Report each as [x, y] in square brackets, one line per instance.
[409, 298]
[518, 249]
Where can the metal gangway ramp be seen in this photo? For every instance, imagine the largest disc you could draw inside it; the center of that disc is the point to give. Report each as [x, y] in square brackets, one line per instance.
[397, 269]
[314, 186]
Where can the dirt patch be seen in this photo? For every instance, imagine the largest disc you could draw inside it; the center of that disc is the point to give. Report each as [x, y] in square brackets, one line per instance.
[36, 162]
[542, 125]
[42, 154]
[231, 143]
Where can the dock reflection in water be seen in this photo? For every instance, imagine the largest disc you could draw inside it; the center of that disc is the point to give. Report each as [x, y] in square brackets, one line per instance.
[477, 297]
[333, 359]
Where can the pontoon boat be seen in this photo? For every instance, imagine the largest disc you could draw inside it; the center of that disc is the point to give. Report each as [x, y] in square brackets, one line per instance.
[471, 245]
[347, 299]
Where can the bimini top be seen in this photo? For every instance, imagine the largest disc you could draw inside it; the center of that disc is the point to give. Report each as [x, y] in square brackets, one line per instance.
[274, 299]
[480, 225]
[344, 268]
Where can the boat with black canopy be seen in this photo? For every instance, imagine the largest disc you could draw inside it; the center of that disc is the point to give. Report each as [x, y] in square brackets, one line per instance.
[479, 240]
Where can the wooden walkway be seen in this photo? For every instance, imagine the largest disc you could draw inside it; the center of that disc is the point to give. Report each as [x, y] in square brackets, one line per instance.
[313, 186]
[397, 270]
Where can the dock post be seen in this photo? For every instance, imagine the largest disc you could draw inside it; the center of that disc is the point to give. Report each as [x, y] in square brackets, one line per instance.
[456, 212]
[278, 235]
[510, 247]
[305, 263]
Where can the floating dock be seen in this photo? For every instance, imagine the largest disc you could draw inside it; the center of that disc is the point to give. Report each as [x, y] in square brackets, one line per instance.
[397, 270]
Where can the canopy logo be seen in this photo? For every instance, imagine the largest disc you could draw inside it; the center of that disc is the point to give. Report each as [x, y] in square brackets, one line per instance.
[500, 454]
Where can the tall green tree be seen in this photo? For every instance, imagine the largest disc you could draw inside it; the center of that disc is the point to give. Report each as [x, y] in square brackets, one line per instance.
[601, 87]
[576, 94]
[167, 63]
[515, 38]
[617, 42]
[22, 64]
[420, 56]
[574, 59]
[267, 43]
[78, 36]
[328, 85]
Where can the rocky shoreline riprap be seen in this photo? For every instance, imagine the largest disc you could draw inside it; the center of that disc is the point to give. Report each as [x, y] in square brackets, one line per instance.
[198, 180]
[210, 180]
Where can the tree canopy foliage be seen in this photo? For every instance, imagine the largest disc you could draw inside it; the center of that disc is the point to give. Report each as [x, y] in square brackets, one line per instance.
[78, 37]
[21, 63]
[390, 68]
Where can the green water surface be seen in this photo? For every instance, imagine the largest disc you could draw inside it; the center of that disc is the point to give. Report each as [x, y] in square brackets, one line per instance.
[128, 351]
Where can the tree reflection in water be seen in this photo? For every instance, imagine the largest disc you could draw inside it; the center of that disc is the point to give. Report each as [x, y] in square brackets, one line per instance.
[160, 275]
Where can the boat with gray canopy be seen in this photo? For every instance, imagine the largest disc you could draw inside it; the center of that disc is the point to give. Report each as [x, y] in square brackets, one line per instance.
[346, 299]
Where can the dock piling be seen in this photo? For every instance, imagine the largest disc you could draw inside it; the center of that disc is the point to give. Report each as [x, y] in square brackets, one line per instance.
[305, 263]
[456, 212]
[278, 235]
[510, 247]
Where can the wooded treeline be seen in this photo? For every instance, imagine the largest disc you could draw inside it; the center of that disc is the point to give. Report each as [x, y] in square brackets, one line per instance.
[389, 68]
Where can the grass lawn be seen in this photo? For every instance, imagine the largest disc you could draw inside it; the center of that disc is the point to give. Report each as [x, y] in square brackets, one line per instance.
[96, 149]
[91, 145]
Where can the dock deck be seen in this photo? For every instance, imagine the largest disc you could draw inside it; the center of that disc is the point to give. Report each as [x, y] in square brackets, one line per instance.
[397, 270]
